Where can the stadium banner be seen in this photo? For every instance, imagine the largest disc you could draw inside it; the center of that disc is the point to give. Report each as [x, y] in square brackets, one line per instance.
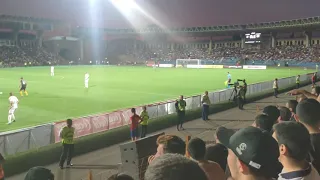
[82, 127]
[232, 67]
[100, 123]
[166, 65]
[150, 63]
[115, 120]
[205, 66]
[254, 67]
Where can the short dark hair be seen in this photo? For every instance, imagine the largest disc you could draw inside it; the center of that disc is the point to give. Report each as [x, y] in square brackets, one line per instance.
[217, 153]
[172, 144]
[120, 176]
[133, 110]
[69, 122]
[285, 113]
[197, 148]
[174, 167]
[308, 112]
[295, 137]
[273, 112]
[264, 122]
[293, 105]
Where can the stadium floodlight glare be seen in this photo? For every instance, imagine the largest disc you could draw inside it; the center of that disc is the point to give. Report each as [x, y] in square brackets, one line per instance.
[125, 6]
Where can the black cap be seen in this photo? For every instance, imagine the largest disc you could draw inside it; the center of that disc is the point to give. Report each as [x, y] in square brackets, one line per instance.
[39, 173]
[254, 147]
[273, 112]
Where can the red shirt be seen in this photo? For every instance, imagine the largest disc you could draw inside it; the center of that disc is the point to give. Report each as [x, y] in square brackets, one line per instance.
[313, 78]
[134, 121]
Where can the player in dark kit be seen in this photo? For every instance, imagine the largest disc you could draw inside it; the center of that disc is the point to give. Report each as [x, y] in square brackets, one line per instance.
[23, 87]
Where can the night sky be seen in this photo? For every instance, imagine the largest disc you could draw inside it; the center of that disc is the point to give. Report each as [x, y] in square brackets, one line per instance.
[168, 13]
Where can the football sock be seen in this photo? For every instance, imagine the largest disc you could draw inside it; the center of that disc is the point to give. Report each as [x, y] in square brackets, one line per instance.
[26, 92]
[21, 94]
[9, 118]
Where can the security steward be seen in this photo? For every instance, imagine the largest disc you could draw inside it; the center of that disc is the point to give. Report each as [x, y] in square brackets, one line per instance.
[181, 111]
[241, 96]
[67, 135]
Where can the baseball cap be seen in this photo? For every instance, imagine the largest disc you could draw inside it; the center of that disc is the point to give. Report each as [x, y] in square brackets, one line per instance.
[39, 173]
[273, 112]
[254, 147]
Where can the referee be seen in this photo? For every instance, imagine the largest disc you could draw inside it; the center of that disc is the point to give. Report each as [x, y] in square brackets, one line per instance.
[67, 135]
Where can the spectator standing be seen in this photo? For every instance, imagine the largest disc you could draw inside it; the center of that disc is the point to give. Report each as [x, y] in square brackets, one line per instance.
[144, 121]
[275, 88]
[120, 176]
[217, 153]
[294, 146]
[263, 122]
[169, 144]
[135, 120]
[314, 79]
[308, 112]
[205, 106]
[197, 150]
[181, 111]
[298, 82]
[67, 136]
[2, 160]
[174, 167]
[245, 88]
[253, 154]
[39, 173]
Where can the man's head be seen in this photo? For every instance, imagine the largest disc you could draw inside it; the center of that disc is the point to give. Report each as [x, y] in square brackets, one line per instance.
[292, 105]
[315, 90]
[285, 114]
[144, 108]
[263, 122]
[39, 173]
[69, 122]
[298, 75]
[170, 144]
[10, 94]
[252, 152]
[308, 112]
[206, 92]
[120, 176]
[273, 113]
[133, 110]
[294, 141]
[276, 79]
[174, 167]
[197, 149]
[21, 78]
[181, 97]
[217, 153]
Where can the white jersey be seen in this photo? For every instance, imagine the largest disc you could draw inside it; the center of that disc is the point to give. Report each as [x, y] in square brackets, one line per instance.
[13, 100]
[52, 68]
[86, 77]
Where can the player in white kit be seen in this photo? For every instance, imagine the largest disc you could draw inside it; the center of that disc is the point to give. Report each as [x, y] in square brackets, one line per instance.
[86, 80]
[52, 70]
[13, 105]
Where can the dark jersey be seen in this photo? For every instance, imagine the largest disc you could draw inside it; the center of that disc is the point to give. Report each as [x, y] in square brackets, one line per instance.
[23, 83]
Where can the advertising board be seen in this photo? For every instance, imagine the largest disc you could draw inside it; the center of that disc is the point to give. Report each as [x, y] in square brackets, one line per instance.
[232, 67]
[205, 66]
[166, 65]
[262, 67]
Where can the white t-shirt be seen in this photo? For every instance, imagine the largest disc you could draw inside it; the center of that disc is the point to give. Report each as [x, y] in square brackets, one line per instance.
[14, 101]
[52, 68]
[86, 77]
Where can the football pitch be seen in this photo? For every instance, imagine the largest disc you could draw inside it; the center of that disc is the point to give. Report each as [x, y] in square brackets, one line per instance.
[110, 88]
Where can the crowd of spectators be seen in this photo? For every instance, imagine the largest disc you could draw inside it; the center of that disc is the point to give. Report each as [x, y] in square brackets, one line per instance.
[282, 143]
[11, 56]
[285, 53]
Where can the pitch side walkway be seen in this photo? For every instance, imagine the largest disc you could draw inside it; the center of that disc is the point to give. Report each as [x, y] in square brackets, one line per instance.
[105, 162]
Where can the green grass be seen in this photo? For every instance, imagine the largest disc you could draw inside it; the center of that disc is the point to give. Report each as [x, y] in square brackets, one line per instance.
[56, 98]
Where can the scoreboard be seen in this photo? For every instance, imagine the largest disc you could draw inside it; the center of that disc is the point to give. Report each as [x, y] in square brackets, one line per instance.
[253, 38]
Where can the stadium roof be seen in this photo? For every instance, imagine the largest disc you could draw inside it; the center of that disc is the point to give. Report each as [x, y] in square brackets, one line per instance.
[163, 13]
